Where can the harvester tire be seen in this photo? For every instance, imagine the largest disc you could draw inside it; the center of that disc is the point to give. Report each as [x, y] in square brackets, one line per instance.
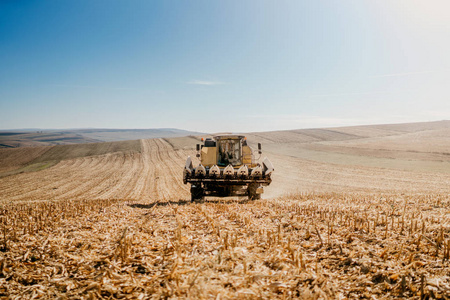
[255, 197]
[252, 195]
[197, 194]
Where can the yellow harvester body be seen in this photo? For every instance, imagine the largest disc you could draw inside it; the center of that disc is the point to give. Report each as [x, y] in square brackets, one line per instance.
[227, 167]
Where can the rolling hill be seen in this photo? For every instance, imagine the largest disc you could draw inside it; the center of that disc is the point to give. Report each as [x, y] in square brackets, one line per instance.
[379, 157]
[42, 137]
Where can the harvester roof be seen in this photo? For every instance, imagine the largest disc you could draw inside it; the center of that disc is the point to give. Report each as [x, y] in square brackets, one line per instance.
[229, 137]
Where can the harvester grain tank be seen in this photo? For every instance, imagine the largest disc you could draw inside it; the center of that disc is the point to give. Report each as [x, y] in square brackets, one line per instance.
[227, 168]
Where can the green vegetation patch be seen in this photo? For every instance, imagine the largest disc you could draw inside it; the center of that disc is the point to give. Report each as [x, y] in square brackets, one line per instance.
[30, 168]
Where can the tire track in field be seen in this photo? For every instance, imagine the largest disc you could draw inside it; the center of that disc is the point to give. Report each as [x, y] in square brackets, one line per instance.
[161, 172]
[118, 179]
[159, 179]
[143, 175]
[174, 166]
[128, 178]
[170, 173]
[150, 185]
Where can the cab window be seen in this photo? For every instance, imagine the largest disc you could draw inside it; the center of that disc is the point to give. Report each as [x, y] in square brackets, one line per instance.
[229, 152]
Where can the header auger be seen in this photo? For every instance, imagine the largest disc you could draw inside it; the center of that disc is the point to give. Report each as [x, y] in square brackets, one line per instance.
[227, 168]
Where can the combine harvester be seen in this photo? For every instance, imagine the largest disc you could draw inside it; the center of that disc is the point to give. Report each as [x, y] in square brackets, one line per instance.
[227, 168]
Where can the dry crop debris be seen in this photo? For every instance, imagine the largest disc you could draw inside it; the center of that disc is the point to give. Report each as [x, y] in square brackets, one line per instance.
[318, 246]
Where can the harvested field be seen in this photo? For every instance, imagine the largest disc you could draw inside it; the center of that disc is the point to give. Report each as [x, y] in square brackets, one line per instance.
[118, 224]
[63, 152]
[294, 247]
[130, 174]
[29, 159]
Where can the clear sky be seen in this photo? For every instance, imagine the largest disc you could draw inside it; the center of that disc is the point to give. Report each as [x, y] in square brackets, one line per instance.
[223, 65]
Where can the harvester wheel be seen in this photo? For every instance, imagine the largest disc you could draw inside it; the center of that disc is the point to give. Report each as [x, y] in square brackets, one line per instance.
[252, 195]
[197, 193]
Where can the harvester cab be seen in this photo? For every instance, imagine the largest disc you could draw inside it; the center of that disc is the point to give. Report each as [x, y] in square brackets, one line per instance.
[227, 168]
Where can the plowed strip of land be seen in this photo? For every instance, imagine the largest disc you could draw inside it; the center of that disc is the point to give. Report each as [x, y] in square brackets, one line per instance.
[155, 173]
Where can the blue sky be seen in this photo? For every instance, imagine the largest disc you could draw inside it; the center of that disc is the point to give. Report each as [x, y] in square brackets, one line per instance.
[223, 65]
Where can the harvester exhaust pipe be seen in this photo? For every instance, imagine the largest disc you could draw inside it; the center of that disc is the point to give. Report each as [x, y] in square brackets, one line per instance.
[198, 150]
[259, 148]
